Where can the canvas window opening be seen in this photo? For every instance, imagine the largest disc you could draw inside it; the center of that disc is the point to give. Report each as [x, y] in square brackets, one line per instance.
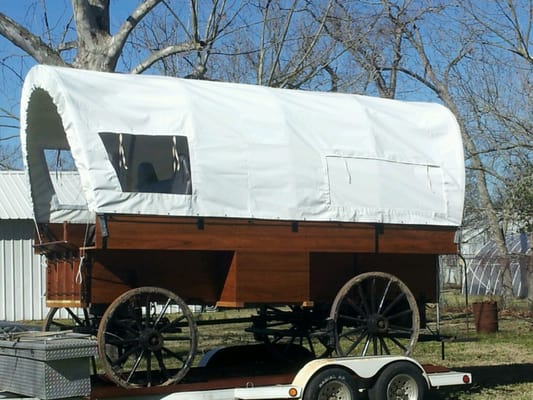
[65, 180]
[149, 163]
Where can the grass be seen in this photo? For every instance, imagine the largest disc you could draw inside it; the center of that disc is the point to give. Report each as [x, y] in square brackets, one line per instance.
[501, 363]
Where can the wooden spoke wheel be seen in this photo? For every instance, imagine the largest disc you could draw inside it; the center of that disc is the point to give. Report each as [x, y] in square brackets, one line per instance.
[74, 319]
[375, 314]
[147, 337]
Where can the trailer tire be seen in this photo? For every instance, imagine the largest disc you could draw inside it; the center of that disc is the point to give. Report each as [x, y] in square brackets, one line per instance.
[399, 380]
[331, 383]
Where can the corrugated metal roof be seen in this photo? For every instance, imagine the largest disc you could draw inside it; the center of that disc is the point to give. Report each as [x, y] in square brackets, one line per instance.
[14, 196]
[15, 202]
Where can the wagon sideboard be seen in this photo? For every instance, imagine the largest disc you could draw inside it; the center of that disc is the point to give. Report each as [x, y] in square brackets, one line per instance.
[235, 263]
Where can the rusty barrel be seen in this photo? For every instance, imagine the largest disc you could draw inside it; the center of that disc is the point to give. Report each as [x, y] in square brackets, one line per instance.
[486, 316]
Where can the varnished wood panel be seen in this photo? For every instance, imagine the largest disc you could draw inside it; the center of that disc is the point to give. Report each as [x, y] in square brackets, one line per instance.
[63, 284]
[416, 240]
[106, 285]
[195, 276]
[417, 271]
[125, 232]
[264, 277]
[329, 272]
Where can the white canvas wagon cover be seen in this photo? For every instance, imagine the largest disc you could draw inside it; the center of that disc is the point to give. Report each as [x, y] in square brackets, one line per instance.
[156, 145]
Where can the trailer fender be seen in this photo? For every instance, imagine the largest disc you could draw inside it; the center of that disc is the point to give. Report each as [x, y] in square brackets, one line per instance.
[363, 367]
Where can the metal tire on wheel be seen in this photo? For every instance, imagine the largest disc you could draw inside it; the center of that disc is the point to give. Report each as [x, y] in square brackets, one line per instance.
[331, 383]
[374, 314]
[400, 380]
[147, 337]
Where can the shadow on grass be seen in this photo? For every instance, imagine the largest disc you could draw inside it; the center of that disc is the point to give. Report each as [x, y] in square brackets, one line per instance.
[487, 376]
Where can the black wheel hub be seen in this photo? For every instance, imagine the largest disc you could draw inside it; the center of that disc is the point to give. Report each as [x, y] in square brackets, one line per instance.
[151, 340]
[377, 324]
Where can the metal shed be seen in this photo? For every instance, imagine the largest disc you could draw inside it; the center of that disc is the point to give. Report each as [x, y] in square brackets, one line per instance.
[22, 283]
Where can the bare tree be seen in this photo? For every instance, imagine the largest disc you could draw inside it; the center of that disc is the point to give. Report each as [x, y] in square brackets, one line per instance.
[95, 46]
[460, 63]
[260, 41]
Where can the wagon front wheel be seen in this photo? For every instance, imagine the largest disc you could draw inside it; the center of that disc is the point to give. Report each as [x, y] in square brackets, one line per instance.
[73, 319]
[375, 314]
[147, 337]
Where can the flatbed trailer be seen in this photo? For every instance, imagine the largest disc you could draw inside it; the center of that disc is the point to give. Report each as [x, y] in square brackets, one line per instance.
[346, 378]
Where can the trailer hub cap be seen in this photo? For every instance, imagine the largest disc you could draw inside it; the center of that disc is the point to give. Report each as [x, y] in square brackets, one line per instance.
[334, 390]
[402, 387]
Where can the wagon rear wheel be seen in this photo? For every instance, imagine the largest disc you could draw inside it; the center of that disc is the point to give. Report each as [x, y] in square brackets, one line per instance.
[374, 314]
[147, 337]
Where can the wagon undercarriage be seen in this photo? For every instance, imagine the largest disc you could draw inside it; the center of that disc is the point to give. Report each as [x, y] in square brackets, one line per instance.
[345, 300]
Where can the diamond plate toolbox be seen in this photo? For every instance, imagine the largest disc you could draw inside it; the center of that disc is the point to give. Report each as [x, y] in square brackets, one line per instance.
[48, 367]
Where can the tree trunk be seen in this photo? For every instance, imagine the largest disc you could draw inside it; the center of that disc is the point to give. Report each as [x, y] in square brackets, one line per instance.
[529, 258]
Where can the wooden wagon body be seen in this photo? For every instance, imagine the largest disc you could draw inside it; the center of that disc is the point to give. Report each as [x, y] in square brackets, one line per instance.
[247, 262]
[238, 196]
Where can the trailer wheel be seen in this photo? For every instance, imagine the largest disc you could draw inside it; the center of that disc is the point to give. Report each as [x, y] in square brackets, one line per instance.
[401, 380]
[147, 337]
[375, 313]
[331, 383]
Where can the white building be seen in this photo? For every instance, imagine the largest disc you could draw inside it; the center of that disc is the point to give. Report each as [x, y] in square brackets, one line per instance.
[22, 272]
[22, 283]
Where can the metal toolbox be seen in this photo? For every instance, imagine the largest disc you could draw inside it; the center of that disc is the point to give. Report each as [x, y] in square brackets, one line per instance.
[46, 366]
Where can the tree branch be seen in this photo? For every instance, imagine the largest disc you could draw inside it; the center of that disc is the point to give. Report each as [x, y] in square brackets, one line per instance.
[165, 52]
[119, 39]
[30, 43]
[276, 62]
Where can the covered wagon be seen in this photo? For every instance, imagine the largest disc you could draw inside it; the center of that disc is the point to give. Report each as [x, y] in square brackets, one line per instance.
[324, 211]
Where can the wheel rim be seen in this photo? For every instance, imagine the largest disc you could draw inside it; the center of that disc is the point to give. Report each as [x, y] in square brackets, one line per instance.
[375, 314]
[334, 390]
[402, 387]
[147, 337]
[77, 320]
